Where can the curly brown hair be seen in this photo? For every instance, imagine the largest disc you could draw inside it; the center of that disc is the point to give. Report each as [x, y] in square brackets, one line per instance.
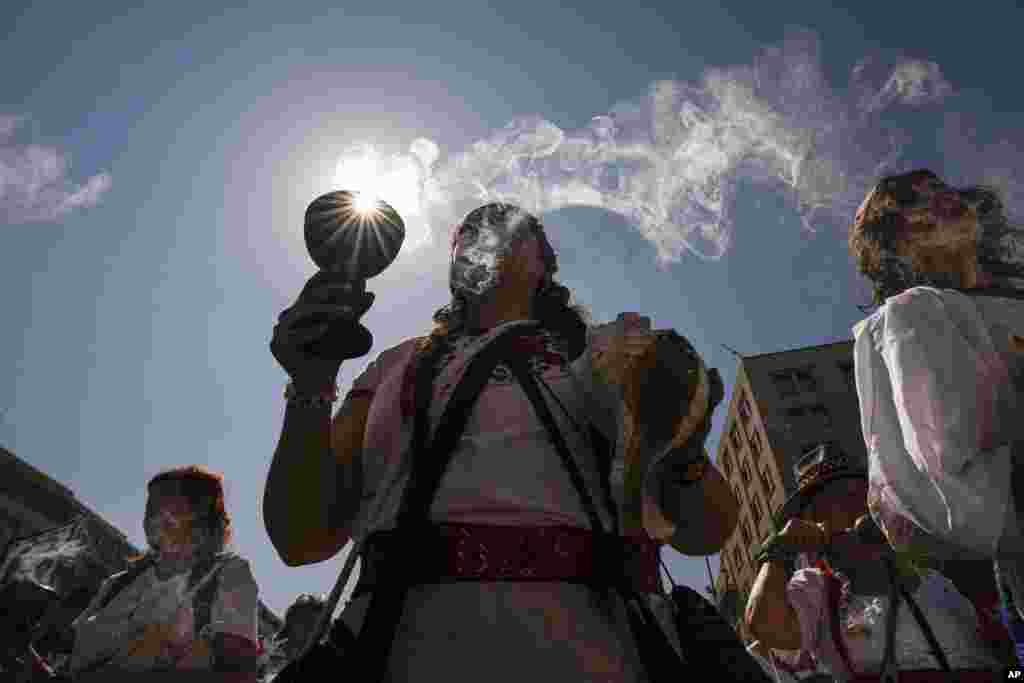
[879, 225]
[204, 490]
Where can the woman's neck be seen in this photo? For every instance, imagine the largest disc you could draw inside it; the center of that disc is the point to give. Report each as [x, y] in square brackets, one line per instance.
[499, 308]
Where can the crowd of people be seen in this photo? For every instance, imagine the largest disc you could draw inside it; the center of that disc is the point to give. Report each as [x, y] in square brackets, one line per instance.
[510, 477]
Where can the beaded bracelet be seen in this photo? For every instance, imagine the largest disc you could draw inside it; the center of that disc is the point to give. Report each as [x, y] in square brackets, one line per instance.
[325, 397]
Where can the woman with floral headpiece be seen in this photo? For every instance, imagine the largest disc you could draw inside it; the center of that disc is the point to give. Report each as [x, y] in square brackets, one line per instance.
[507, 579]
[939, 368]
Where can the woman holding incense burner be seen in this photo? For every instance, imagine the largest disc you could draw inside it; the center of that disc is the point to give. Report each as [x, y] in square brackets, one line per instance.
[507, 582]
[939, 368]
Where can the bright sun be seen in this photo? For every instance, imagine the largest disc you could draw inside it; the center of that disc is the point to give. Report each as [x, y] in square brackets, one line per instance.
[365, 202]
[374, 177]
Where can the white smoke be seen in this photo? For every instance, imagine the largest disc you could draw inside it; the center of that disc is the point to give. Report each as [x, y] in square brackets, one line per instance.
[669, 162]
[34, 182]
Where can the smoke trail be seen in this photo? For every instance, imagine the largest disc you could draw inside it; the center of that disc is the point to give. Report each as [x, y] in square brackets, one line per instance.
[670, 161]
[34, 186]
[63, 558]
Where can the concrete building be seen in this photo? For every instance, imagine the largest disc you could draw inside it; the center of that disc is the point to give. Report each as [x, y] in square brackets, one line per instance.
[31, 502]
[783, 405]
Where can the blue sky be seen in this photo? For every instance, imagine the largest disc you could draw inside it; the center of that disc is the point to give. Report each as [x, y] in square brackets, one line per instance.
[142, 278]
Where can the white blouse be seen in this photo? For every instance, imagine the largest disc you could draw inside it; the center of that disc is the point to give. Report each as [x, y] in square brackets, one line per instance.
[938, 410]
[149, 624]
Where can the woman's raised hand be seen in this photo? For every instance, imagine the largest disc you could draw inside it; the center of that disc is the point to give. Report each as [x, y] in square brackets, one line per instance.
[319, 331]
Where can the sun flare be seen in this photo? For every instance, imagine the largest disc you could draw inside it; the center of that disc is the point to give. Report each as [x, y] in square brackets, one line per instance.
[374, 177]
[365, 202]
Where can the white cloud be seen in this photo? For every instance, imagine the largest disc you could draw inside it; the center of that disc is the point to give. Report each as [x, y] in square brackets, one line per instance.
[34, 180]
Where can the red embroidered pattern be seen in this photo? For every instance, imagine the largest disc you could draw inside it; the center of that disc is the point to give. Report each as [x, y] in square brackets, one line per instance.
[475, 552]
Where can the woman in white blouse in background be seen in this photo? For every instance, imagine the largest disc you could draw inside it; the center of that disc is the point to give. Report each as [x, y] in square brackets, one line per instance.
[938, 370]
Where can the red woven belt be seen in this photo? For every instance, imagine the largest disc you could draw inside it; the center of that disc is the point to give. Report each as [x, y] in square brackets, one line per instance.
[476, 552]
[936, 676]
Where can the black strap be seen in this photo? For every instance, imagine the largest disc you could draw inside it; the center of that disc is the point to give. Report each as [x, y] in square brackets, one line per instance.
[415, 508]
[522, 372]
[926, 628]
[889, 665]
[603, 452]
[660, 659]
[122, 581]
[377, 635]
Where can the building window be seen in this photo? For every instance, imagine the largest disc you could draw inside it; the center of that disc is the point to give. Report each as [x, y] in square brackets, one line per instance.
[818, 411]
[755, 508]
[805, 380]
[745, 471]
[755, 443]
[846, 367]
[794, 381]
[726, 462]
[734, 434]
[737, 557]
[768, 482]
[785, 384]
[744, 408]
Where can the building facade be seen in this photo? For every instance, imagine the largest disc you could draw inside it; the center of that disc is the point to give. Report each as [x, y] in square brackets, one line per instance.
[31, 502]
[783, 405]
